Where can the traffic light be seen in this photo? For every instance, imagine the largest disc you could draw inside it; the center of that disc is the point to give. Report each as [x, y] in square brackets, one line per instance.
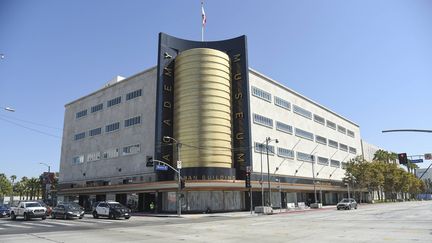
[403, 160]
[149, 161]
[182, 184]
[247, 180]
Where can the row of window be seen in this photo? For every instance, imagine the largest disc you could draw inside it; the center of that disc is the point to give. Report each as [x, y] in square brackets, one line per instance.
[111, 102]
[257, 92]
[107, 154]
[288, 153]
[109, 128]
[280, 126]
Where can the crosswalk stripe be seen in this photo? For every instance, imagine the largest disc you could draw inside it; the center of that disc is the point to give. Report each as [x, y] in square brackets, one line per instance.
[95, 221]
[60, 223]
[17, 226]
[2, 228]
[42, 224]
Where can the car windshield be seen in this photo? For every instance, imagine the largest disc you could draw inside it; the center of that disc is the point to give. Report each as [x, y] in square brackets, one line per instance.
[116, 205]
[33, 205]
[3, 207]
[71, 207]
[344, 201]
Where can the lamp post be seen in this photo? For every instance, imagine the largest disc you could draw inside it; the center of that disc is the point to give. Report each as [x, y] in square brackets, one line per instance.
[8, 109]
[280, 193]
[268, 140]
[319, 183]
[347, 184]
[262, 178]
[178, 145]
[48, 185]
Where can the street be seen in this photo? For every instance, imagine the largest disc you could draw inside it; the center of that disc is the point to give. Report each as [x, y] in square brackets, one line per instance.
[389, 222]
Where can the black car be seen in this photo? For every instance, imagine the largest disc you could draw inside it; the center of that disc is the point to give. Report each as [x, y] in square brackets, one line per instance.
[67, 211]
[4, 211]
[112, 210]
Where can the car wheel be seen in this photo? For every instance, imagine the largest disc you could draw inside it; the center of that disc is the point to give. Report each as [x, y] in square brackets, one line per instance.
[80, 217]
[43, 218]
[355, 207]
[13, 217]
[26, 218]
[95, 215]
[127, 217]
[53, 216]
[112, 216]
[349, 208]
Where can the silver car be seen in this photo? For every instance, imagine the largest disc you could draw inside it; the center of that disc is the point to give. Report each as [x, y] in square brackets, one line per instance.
[347, 203]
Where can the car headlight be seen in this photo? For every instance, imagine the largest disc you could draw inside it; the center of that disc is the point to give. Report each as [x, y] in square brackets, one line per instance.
[69, 212]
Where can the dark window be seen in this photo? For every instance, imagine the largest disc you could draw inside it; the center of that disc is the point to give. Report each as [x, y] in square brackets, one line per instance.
[81, 113]
[114, 101]
[112, 127]
[80, 136]
[95, 131]
[133, 94]
[97, 108]
[132, 121]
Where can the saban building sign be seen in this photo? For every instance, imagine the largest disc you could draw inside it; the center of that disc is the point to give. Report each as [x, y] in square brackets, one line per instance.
[205, 60]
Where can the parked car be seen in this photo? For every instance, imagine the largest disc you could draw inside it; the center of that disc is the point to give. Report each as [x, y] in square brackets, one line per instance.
[112, 210]
[28, 210]
[347, 203]
[67, 211]
[4, 211]
[48, 208]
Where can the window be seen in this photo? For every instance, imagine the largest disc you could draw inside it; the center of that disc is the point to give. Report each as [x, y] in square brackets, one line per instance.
[262, 120]
[81, 114]
[133, 94]
[280, 126]
[319, 119]
[261, 148]
[285, 153]
[261, 94]
[343, 147]
[350, 133]
[112, 127]
[334, 163]
[305, 157]
[321, 140]
[352, 150]
[282, 103]
[79, 136]
[302, 112]
[323, 161]
[333, 143]
[304, 134]
[78, 159]
[132, 121]
[93, 156]
[111, 153]
[96, 108]
[95, 131]
[114, 101]
[332, 125]
[341, 129]
[132, 149]
[344, 165]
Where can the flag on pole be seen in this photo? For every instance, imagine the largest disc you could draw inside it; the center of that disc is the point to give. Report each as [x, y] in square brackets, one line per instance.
[203, 15]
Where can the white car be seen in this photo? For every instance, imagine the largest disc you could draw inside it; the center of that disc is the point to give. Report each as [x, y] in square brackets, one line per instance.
[112, 210]
[28, 210]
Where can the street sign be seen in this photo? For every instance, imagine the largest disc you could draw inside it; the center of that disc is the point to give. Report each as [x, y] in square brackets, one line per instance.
[428, 156]
[416, 161]
[161, 167]
[179, 164]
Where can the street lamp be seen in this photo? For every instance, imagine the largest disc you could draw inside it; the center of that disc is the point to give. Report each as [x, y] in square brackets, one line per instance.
[178, 145]
[347, 184]
[8, 109]
[48, 185]
[280, 193]
[268, 140]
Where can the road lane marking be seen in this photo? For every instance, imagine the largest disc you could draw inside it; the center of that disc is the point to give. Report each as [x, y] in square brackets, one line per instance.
[17, 226]
[61, 223]
[36, 224]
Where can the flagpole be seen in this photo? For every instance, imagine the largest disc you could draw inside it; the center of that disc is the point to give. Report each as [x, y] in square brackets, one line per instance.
[202, 21]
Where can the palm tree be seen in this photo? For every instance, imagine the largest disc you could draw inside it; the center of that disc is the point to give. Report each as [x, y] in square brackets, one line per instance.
[12, 178]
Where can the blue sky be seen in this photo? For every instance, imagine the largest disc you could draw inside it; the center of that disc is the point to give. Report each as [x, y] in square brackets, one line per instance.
[370, 61]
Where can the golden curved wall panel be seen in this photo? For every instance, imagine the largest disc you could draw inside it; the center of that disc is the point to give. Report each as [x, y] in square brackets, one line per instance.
[202, 108]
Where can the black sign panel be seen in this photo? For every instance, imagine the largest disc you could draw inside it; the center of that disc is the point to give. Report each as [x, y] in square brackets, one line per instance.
[169, 48]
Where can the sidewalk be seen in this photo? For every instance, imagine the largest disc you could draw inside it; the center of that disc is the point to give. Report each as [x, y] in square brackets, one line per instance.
[234, 214]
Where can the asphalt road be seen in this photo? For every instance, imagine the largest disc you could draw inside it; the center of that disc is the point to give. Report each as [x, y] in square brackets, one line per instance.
[390, 222]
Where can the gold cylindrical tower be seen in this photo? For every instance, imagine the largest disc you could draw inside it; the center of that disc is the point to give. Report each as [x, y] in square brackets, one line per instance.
[202, 108]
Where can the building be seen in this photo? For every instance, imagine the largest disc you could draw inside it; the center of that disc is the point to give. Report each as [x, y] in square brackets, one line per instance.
[226, 121]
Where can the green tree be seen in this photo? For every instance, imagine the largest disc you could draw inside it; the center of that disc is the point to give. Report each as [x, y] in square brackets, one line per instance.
[5, 186]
